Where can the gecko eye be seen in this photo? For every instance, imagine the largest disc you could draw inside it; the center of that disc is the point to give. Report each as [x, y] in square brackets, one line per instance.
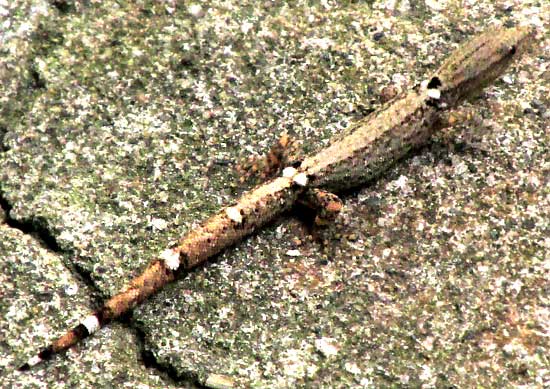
[513, 50]
[434, 83]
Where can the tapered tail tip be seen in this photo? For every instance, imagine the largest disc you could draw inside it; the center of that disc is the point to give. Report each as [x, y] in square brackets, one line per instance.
[44, 354]
[30, 363]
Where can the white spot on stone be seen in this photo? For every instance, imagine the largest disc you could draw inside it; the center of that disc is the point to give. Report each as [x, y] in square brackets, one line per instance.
[351, 367]
[219, 381]
[34, 361]
[289, 172]
[223, 312]
[300, 179]
[327, 346]
[533, 180]
[234, 214]
[70, 146]
[158, 223]
[438, 5]
[71, 289]
[195, 10]
[460, 167]
[67, 236]
[17, 312]
[426, 374]
[515, 287]
[228, 50]
[91, 323]
[365, 382]
[321, 43]
[293, 253]
[434, 93]
[402, 183]
[296, 363]
[399, 79]
[171, 258]
[428, 343]
[245, 27]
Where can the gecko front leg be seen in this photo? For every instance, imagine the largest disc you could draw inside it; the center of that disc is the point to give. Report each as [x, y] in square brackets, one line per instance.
[285, 152]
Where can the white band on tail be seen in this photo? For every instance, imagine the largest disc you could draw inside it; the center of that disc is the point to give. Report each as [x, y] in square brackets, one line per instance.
[91, 323]
[297, 178]
[234, 214]
[34, 361]
[289, 172]
[300, 179]
[171, 258]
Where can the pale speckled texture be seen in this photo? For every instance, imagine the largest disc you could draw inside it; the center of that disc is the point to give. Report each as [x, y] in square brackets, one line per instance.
[119, 126]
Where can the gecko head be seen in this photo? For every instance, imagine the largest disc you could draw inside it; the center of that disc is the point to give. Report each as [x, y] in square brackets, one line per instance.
[477, 63]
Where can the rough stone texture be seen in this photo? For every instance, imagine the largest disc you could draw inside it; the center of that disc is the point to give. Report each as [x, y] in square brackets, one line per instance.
[119, 128]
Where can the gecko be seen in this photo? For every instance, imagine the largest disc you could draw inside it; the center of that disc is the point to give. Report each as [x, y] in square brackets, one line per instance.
[367, 148]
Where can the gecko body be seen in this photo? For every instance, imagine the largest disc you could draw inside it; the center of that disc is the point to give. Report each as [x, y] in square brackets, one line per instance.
[370, 146]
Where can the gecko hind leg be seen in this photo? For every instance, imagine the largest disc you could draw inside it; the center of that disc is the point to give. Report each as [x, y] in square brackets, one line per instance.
[327, 205]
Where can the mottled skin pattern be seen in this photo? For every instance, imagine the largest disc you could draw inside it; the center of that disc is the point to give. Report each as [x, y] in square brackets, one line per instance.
[256, 207]
[375, 143]
[372, 144]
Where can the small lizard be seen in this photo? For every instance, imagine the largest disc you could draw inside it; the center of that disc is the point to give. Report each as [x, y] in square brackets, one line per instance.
[368, 148]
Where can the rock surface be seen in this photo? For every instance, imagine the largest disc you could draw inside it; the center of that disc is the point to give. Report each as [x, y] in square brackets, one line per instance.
[120, 125]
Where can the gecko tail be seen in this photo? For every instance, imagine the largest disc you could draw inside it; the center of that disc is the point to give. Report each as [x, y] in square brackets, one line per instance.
[86, 328]
[157, 274]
